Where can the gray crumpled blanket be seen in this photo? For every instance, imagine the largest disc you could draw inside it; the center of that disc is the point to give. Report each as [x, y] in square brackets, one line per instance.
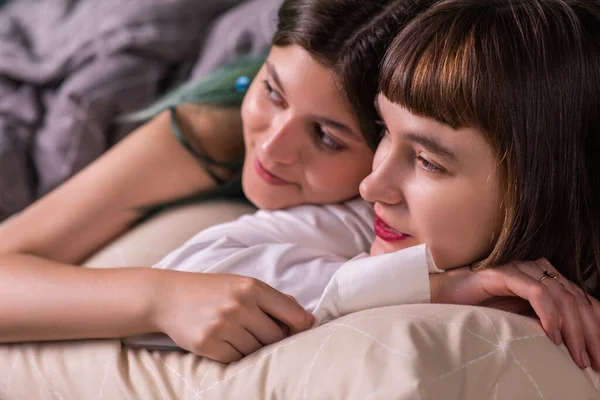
[246, 29]
[68, 67]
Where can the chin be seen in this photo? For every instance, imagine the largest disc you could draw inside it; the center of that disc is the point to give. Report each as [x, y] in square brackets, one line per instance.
[377, 248]
[267, 197]
[259, 198]
[265, 205]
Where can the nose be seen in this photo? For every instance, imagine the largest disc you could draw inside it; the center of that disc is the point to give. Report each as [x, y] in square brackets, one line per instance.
[282, 143]
[384, 183]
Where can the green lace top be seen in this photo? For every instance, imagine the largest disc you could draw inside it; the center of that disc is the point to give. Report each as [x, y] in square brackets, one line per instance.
[225, 87]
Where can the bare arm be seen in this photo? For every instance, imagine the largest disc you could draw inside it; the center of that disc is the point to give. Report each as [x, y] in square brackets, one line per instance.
[43, 296]
[223, 317]
[148, 167]
[44, 300]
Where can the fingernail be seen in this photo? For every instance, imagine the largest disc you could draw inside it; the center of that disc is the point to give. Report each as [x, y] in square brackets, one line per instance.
[557, 337]
[585, 359]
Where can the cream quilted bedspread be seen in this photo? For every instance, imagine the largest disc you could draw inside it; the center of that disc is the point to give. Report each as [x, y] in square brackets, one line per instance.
[402, 352]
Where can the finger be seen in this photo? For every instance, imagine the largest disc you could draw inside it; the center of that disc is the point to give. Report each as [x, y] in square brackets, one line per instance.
[219, 351]
[263, 327]
[518, 283]
[286, 329]
[591, 300]
[545, 266]
[243, 341]
[515, 305]
[282, 326]
[568, 310]
[570, 324]
[591, 331]
[589, 317]
[285, 309]
[588, 309]
[573, 288]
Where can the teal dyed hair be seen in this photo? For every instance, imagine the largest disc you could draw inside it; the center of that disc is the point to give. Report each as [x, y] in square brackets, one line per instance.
[217, 88]
[220, 88]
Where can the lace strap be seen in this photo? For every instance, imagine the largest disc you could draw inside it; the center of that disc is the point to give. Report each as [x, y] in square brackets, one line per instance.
[204, 159]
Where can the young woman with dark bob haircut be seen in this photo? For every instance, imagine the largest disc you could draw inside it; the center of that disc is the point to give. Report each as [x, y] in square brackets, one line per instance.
[491, 151]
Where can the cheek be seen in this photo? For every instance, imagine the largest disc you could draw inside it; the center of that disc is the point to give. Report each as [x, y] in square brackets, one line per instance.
[334, 178]
[340, 173]
[255, 117]
[458, 224]
[268, 197]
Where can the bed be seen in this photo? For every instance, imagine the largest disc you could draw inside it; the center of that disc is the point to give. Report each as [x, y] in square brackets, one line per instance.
[418, 351]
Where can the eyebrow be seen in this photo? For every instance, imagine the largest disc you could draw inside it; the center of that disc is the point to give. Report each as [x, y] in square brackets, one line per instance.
[273, 72]
[431, 144]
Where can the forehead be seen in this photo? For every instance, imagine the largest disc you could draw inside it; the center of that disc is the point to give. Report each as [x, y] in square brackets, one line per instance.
[309, 85]
[467, 143]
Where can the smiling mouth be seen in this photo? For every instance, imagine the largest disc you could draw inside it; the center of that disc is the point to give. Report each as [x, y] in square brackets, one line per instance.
[267, 175]
[387, 233]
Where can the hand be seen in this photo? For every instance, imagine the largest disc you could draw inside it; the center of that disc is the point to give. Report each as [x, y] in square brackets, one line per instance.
[561, 306]
[224, 317]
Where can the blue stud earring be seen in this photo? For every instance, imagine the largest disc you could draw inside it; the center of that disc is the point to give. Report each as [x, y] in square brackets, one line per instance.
[241, 84]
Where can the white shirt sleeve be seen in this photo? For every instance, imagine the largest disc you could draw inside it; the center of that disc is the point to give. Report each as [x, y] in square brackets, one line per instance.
[371, 282]
[296, 251]
[345, 230]
[299, 252]
[328, 287]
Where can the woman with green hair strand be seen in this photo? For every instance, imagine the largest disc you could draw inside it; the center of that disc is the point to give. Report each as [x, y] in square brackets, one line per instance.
[307, 131]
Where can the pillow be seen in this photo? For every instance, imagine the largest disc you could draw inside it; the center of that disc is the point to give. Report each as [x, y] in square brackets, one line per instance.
[420, 351]
[149, 242]
[407, 352]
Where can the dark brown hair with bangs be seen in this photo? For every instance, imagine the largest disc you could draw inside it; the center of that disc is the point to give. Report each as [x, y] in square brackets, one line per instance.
[527, 74]
[350, 37]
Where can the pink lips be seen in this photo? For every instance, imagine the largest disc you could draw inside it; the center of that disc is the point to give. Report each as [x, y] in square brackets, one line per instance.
[267, 176]
[385, 232]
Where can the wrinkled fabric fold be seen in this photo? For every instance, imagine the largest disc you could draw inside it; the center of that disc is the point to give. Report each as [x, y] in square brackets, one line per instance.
[68, 68]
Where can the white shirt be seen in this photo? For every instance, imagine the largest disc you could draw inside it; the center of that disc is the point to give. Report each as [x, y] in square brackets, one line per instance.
[314, 253]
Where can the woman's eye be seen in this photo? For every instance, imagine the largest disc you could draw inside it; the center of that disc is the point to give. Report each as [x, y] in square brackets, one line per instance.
[272, 93]
[326, 141]
[383, 130]
[428, 166]
[384, 133]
